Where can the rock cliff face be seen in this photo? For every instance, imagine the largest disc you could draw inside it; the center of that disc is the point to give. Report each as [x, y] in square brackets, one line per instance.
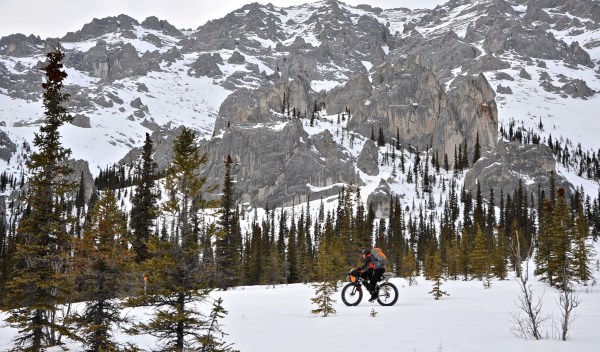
[512, 163]
[7, 147]
[280, 164]
[406, 100]
[119, 61]
[18, 45]
[247, 106]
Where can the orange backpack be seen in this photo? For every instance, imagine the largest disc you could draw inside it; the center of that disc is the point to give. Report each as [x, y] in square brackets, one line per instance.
[378, 254]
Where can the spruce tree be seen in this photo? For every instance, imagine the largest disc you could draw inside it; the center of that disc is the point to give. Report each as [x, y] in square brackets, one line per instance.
[437, 276]
[544, 241]
[583, 251]
[479, 258]
[500, 257]
[101, 259]
[39, 282]
[477, 150]
[326, 288]
[144, 209]
[212, 340]
[229, 237]
[380, 138]
[463, 255]
[323, 299]
[292, 254]
[560, 242]
[409, 268]
[177, 285]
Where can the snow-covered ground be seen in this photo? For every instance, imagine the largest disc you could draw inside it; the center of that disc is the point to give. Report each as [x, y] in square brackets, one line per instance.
[471, 318]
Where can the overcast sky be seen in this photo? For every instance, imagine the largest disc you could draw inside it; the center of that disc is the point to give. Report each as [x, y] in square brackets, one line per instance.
[54, 18]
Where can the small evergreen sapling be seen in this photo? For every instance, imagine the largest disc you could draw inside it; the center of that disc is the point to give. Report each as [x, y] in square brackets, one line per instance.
[212, 340]
[437, 277]
[329, 257]
[323, 299]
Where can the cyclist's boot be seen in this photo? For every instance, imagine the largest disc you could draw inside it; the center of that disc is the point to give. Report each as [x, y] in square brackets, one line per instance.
[374, 295]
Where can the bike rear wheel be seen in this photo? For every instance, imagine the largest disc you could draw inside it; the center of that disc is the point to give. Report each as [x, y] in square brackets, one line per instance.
[352, 294]
[388, 294]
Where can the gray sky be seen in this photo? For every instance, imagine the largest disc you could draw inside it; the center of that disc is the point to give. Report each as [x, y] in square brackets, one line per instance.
[54, 18]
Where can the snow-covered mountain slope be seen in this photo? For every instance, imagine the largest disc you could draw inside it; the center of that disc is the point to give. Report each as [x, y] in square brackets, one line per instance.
[128, 78]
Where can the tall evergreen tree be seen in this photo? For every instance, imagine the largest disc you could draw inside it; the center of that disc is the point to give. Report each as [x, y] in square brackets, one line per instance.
[499, 257]
[479, 258]
[463, 255]
[39, 284]
[583, 251]
[380, 138]
[177, 285]
[409, 267]
[229, 238]
[101, 259]
[292, 254]
[144, 208]
[477, 149]
[560, 242]
[544, 241]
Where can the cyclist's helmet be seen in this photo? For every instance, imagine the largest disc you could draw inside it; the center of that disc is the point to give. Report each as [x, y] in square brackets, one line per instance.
[366, 251]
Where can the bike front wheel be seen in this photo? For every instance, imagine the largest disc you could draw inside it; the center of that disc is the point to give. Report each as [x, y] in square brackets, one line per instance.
[352, 294]
[388, 294]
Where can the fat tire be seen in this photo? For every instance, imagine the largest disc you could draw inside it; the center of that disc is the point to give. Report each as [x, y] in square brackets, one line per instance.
[351, 290]
[391, 290]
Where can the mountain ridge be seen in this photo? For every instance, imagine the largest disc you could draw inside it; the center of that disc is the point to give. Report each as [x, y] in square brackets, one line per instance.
[260, 63]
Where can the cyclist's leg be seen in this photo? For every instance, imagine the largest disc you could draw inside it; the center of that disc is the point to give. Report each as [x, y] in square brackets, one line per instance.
[368, 276]
[377, 273]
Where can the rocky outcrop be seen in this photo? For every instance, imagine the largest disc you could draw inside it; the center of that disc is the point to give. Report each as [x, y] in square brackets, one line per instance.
[116, 62]
[504, 76]
[7, 147]
[19, 45]
[266, 104]
[367, 160]
[512, 163]
[163, 26]
[82, 121]
[405, 99]
[81, 173]
[524, 74]
[500, 89]
[379, 200]
[451, 52]
[220, 33]
[577, 89]
[236, 58]
[98, 27]
[154, 39]
[532, 42]
[279, 164]
[488, 63]
[206, 65]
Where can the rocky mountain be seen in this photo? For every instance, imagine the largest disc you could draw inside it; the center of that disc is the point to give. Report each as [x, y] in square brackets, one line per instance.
[298, 96]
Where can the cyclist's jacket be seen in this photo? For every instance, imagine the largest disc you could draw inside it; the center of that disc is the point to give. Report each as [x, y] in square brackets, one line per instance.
[371, 263]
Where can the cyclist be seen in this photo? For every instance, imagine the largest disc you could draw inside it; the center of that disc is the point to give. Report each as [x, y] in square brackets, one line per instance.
[371, 270]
